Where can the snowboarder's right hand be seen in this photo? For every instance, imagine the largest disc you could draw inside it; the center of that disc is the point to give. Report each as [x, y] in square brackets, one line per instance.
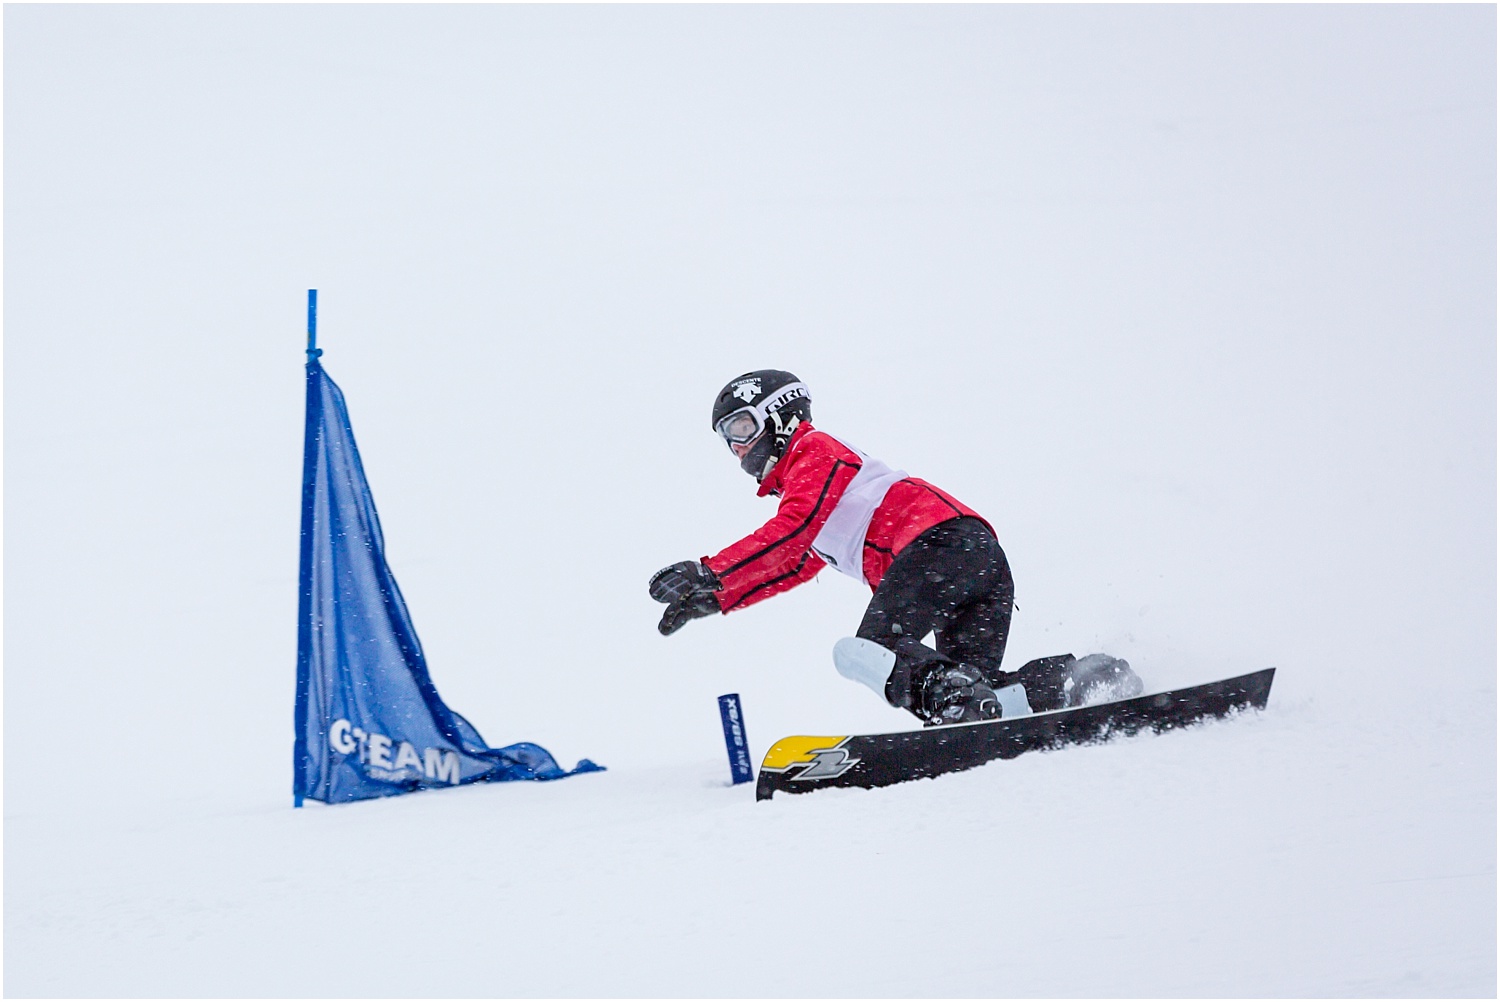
[688, 589]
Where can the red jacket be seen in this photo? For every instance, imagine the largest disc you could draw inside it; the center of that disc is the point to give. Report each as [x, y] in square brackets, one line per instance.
[810, 479]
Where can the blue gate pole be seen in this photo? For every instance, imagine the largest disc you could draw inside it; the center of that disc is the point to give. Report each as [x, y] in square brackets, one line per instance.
[304, 610]
[733, 718]
[312, 324]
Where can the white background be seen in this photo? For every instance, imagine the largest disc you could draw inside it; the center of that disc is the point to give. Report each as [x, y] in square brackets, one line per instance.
[1196, 305]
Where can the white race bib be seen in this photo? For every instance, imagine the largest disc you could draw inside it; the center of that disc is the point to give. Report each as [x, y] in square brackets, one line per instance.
[841, 543]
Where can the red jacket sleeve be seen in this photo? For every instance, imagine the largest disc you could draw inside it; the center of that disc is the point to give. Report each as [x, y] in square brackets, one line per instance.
[812, 477]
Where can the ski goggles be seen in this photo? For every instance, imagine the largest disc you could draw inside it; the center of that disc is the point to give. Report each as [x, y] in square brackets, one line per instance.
[740, 427]
[745, 425]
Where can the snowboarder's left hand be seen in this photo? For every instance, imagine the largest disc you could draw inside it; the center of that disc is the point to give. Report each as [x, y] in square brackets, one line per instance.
[688, 589]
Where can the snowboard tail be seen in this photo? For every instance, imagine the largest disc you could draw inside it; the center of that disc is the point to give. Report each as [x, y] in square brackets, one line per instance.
[804, 763]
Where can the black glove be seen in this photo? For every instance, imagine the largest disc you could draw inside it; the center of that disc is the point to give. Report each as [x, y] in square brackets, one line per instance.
[688, 589]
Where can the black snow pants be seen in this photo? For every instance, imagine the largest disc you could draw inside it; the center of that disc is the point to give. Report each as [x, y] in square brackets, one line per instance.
[952, 581]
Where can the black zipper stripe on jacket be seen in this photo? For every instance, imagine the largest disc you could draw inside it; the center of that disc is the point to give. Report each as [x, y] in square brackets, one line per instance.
[882, 549]
[823, 496]
[776, 580]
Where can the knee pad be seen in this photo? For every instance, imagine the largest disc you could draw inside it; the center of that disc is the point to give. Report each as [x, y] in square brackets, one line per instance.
[897, 677]
[864, 661]
[890, 674]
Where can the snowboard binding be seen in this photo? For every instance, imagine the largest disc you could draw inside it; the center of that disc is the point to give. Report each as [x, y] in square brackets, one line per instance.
[935, 689]
[1062, 681]
[956, 694]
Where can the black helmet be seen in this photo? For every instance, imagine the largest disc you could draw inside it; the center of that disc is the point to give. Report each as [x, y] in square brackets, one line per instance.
[761, 409]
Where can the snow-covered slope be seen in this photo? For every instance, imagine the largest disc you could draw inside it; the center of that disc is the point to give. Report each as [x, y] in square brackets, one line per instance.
[1258, 857]
[1196, 305]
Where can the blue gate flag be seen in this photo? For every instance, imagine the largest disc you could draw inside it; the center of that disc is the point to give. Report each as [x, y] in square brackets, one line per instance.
[369, 721]
[732, 716]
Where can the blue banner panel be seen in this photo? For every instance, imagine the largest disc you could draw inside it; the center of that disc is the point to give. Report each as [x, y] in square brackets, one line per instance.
[369, 721]
[733, 718]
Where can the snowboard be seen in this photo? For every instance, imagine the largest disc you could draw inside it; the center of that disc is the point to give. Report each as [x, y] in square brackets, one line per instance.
[804, 763]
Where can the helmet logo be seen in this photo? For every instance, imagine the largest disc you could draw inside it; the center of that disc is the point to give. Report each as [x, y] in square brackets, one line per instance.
[748, 390]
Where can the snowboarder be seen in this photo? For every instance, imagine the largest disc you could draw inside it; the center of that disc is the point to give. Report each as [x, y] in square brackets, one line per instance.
[934, 564]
